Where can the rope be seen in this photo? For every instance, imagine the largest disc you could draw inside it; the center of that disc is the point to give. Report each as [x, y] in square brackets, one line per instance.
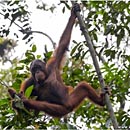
[96, 65]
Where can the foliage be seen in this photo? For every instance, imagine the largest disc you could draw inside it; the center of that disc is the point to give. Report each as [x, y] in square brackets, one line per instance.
[17, 14]
[108, 26]
[5, 48]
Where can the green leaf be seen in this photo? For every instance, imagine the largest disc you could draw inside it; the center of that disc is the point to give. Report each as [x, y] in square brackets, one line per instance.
[30, 56]
[20, 68]
[67, 5]
[38, 56]
[29, 91]
[27, 35]
[63, 10]
[108, 29]
[15, 16]
[95, 36]
[74, 49]
[34, 48]
[3, 101]
[6, 15]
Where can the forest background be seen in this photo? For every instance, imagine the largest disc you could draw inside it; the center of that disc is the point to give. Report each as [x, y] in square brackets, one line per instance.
[30, 30]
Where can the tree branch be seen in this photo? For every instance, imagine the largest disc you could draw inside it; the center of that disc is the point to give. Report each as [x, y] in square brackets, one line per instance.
[53, 43]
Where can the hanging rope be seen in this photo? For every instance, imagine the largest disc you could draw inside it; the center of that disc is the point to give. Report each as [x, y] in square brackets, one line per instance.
[96, 65]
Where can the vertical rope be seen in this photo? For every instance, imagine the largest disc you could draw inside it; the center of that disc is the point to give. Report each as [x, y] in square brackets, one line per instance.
[96, 65]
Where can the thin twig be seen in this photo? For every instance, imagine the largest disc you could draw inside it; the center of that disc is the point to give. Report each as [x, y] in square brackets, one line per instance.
[53, 43]
[26, 32]
[3, 83]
